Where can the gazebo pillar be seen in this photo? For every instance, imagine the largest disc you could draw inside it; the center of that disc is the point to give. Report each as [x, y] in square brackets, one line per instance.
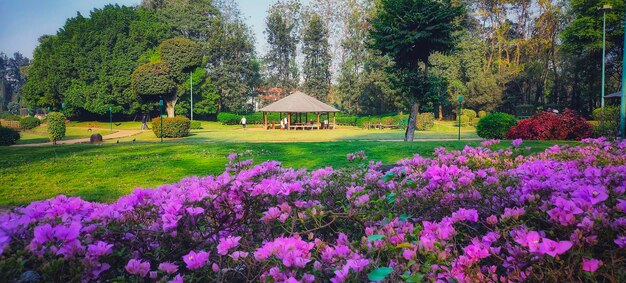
[334, 120]
[265, 120]
[288, 121]
[319, 125]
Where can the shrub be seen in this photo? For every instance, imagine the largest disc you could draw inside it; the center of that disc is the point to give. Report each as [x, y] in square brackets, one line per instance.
[8, 136]
[172, 127]
[195, 125]
[10, 116]
[347, 120]
[228, 118]
[464, 121]
[552, 126]
[388, 121]
[609, 124]
[458, 216]
[29, 123]
[495, 125]
[482, 113]
[471, 114]
[56, 126]
[425, 121]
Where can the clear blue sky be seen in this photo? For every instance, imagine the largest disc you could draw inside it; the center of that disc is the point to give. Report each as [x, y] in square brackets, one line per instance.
[22, 22]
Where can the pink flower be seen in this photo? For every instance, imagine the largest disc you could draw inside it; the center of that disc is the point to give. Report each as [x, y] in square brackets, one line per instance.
[591, 265]
[196, 260]
[177, 279]
[492, 220]
[168, 267]
[193, 211]
[227, 244]
[138, 267]
[553, 248]
[238, 254]
[99, 249]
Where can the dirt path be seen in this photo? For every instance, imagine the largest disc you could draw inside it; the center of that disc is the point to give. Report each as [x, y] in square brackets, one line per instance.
[118, 134]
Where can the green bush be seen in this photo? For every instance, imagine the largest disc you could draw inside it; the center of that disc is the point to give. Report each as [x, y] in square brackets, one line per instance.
[172, 127]
[8, 136]
[10, 116]
[495, 125]
[482, 113]
[464, 121]
[424, 121]
[608, 125]
[228, 118]
[195, 125]
[347, 120]
[29, 123]
[56, 126]
[471, 114]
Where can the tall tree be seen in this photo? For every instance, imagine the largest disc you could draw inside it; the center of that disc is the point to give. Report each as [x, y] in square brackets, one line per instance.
[409, 31]
[166, 78]
[282, 40]
[87, 65]
[316, 69]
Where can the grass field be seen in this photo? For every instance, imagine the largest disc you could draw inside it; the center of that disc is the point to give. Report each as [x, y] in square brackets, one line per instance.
[103, 173]
[40, 134]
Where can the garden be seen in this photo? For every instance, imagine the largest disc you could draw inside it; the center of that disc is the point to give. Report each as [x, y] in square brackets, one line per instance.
[489, 212]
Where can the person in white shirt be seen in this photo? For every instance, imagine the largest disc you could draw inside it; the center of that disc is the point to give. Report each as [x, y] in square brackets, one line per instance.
[243, 122]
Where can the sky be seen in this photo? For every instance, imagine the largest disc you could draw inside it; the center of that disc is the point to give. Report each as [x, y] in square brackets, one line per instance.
[22, 22]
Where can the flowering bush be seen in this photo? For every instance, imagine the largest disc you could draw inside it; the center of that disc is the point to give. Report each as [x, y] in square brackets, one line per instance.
[474, 215]
[552, 126]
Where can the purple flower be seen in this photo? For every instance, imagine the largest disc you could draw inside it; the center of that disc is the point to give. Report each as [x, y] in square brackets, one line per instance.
[516, 142]
[67, 233]
[193, 211]
[591, 265]
[554, 248]
[177, 279]
[99, 249]
[138, 267]
[196, 260]
[227, 244]
[168, 267]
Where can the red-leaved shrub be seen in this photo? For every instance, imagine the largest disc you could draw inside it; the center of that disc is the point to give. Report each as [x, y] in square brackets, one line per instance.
[552, 126]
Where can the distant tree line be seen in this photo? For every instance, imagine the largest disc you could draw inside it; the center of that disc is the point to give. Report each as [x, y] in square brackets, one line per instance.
[498, 55]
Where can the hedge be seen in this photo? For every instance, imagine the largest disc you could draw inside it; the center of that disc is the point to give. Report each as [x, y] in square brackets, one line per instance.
[172, 127]
[8, 136]
[495, 125]
[29, 123]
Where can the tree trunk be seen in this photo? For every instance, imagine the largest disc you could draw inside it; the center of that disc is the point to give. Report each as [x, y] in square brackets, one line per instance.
[410, 127]
[440, 112]
[169, 107]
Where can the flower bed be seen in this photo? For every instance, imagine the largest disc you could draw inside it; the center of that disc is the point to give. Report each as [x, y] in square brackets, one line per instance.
[474, 215]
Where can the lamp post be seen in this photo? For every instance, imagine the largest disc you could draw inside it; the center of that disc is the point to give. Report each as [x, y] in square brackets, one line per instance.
[622, 111]
[604, 9]
[161, 117]
[191, 86]
[111, 118]
[460, 108]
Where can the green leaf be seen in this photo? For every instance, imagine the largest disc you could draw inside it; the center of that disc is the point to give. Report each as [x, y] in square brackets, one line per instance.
[405, 217]
[391, 198]
[410, 183]
[379, 273]
[375, 237]
[415, 278]
[388, 177]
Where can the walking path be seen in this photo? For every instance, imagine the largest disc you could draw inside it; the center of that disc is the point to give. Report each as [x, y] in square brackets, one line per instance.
[118, 134]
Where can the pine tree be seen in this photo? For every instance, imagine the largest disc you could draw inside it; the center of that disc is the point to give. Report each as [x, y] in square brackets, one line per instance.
[316, 69]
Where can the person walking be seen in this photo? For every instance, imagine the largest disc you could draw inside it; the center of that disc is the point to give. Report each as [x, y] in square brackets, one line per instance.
[243, 122]
[144, 122]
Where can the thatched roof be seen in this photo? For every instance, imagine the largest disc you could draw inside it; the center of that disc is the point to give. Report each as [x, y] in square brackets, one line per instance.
[298, 102]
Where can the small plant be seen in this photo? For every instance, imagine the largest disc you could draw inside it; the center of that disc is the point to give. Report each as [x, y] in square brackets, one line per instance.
[172, 127]
[482, 114]
[8, 136]
[29, 123]
[424, 121]
[495, 125]
[56, 126]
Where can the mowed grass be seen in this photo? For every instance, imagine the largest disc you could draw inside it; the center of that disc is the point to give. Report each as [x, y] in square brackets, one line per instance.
[40, 134]
[106, 172]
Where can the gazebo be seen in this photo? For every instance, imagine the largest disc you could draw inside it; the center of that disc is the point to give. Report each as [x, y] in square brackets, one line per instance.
[297, 106]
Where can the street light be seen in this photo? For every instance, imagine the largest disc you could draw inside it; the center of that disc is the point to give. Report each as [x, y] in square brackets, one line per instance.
[622, 111]
[111, 118]
[460, 108]
[604, 9]
[191, 86]
[161, 117]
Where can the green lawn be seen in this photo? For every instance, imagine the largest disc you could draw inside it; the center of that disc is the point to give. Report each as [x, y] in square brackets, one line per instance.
[40, 134]
[103, 173]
